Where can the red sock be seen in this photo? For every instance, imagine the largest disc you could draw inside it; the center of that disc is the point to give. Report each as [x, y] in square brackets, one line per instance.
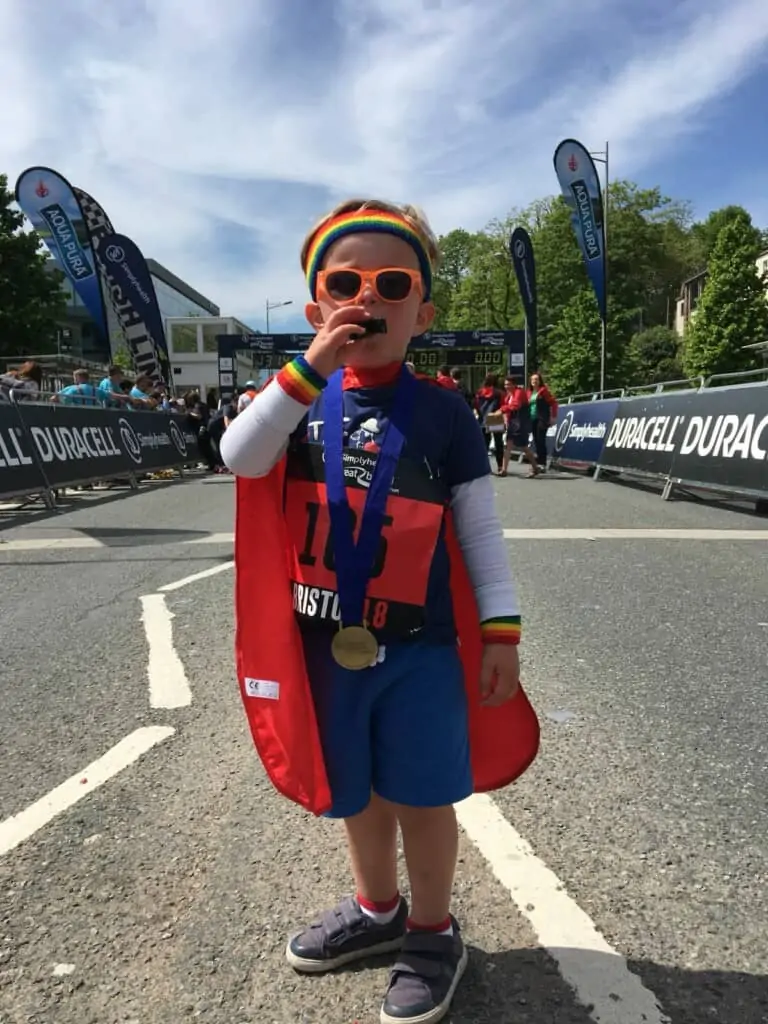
[440, 926]
[379, 907]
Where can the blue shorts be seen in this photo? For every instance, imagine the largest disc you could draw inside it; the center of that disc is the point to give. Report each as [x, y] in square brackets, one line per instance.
[399, 729]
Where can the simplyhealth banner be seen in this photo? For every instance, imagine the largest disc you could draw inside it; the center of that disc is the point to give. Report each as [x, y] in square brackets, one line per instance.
[129, 276]
[521, 251]
[581, 190]
[579, 435]
[49, 203]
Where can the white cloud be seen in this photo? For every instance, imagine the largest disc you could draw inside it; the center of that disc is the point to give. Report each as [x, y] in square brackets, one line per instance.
[197, 113]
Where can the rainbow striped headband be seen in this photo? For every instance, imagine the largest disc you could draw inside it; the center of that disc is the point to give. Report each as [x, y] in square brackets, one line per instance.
[359, 221]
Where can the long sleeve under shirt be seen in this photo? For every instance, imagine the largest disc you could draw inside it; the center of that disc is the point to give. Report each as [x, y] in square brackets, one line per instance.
[260, 436]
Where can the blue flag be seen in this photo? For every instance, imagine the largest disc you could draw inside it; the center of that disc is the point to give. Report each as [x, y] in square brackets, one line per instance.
[521, 251]
[50, 204]
[133, 289]
[581, 190]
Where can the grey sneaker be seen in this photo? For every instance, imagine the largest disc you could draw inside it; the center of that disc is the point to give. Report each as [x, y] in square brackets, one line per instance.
[343, 935]
[425, 977]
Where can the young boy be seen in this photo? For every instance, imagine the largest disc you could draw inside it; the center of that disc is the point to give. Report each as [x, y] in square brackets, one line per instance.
[393, 712]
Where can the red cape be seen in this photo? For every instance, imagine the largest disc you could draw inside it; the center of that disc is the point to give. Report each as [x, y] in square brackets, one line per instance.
[504, 741]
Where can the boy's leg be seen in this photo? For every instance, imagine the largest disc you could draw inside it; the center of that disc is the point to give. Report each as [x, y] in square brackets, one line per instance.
[372, 841]
[373, 921]
[421, 763]
[430, 844]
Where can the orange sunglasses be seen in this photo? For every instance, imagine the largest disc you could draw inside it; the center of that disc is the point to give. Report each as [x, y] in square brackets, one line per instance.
[390, 284]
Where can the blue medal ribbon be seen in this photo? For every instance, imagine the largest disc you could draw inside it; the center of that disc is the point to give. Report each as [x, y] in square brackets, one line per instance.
[354, 561]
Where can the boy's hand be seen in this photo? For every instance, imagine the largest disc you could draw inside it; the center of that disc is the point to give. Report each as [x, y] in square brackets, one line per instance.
[499, 674]
[326, 353]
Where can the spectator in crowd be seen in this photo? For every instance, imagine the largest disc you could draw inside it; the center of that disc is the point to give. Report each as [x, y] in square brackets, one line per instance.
[24, 383]
[217, 425]
[517, 417]
[458, 376]
[81, 392]
[543, 414]
[198, 418]
[141, 393]
[247, 395]
[445, 380]
[488, 409]
[112, 392]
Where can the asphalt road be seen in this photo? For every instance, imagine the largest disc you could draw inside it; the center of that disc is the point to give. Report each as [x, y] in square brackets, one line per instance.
[166, 894]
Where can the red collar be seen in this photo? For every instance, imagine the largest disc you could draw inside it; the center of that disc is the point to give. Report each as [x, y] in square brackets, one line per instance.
[377, 376]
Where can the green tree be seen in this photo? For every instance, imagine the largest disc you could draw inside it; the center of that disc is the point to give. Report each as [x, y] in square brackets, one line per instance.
[31, 298]
[474, 287]
[123, 358]
[705, 233]
[654, 356]
[573, 365]
[455, 254]
[653, 246]
[732, 311]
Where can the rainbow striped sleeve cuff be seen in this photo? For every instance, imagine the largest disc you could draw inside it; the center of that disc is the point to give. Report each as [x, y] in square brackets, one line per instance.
[505, 630]
[300, 381]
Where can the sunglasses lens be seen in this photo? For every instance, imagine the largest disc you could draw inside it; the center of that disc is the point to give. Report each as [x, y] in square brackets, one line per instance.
[343, 284]
[393, 285]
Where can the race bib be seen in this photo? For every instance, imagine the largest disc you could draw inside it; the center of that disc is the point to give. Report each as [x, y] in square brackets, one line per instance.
[397, 588]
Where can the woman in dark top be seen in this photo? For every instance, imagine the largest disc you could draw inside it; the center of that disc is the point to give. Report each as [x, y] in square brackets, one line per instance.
[488, 407]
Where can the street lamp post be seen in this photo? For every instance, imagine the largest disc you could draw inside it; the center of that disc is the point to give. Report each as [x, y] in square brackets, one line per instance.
[601, 157]
[269, 306]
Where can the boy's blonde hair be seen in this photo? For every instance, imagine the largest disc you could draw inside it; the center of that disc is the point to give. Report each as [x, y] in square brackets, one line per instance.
[415, 218]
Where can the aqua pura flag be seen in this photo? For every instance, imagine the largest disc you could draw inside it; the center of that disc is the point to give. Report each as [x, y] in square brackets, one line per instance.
[48, 201]
[580, 185]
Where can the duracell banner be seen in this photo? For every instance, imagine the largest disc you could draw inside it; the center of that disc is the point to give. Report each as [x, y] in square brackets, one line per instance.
[51, 446]
[717, 437]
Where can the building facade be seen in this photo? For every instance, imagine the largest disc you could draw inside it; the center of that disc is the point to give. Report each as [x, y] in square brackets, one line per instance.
[690, 293]
[193, 350]
[79, 336]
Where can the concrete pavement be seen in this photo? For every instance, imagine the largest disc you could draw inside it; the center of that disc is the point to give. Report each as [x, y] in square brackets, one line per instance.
[166, 893]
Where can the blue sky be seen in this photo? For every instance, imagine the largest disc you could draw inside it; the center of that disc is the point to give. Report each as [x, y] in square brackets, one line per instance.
[215, 134]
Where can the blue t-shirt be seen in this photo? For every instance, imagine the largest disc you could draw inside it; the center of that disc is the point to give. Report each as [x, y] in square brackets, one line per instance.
[444, 449]
[79, 394]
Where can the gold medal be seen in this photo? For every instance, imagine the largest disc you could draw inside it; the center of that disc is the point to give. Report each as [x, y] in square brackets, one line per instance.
[354, 648]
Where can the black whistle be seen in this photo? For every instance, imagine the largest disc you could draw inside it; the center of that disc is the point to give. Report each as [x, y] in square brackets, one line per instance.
[373, 326]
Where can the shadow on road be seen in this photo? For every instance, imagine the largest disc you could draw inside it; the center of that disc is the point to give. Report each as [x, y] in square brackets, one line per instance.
[72, 501]
[524, 986]
[521, 986]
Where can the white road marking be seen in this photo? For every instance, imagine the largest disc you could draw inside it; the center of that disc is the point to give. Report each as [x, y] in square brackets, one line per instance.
[49, 544]
[603, 983]
[215, 538]
[168, 683]
[639, 534]
[19, 828]
[609, 533]
[203, 575]
[583, 534]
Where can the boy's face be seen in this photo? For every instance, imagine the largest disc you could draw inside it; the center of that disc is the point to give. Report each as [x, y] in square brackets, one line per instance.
[405, 320]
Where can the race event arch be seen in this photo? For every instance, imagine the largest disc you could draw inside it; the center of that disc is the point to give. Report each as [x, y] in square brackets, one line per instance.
[476, 352]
